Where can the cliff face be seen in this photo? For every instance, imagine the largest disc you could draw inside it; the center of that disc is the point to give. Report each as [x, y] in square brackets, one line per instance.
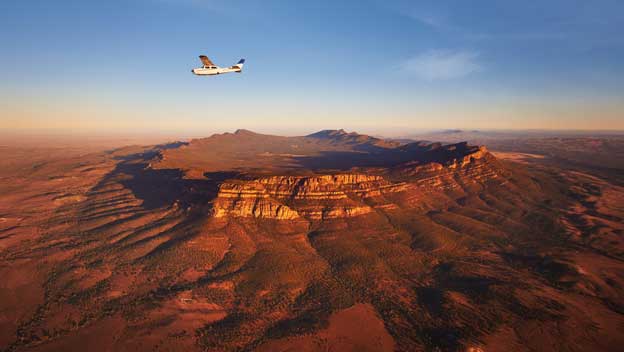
[346, 194]
[312, 197]
[247, 205]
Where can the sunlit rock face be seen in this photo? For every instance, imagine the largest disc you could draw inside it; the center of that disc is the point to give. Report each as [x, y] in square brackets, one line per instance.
[313, 197]
[343, 195]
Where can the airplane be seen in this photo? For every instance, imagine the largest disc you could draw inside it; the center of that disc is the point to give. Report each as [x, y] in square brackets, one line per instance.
[209, 68]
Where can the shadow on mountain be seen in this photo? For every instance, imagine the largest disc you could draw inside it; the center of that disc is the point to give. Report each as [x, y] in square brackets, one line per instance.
[159, 188]
[381, 157]
[338, 160]
[163, 187]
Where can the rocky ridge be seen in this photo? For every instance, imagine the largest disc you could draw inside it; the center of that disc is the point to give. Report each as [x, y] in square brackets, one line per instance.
[342, 195]
[312, 197]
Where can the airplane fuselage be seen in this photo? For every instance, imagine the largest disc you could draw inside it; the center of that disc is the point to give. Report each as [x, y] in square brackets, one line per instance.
[209, 71]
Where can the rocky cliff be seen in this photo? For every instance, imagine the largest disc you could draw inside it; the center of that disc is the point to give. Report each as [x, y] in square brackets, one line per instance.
[343, 195]
[312, 197]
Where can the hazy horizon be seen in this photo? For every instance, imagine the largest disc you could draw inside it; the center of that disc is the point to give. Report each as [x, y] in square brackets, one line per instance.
[97, 140]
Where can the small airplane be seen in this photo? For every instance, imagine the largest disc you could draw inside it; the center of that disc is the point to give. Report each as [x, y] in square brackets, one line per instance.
[209, 68]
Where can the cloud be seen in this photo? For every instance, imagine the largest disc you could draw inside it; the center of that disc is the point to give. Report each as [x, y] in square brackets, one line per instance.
[442, 64]
[430, 19]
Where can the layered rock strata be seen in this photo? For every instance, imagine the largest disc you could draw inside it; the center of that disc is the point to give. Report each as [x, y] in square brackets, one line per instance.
[346, 194]
[312, 197]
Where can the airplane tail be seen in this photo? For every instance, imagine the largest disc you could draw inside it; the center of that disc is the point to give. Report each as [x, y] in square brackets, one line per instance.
[239, 64]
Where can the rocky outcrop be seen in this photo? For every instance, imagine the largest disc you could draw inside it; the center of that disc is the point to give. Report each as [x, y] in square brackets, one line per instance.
[313, 197]
[477, 167]
[477, 154]
[473, 156]
[344, 195]
[254, 207]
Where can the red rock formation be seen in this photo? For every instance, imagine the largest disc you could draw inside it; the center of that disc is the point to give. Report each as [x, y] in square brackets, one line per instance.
[341, 195]
[288, 197]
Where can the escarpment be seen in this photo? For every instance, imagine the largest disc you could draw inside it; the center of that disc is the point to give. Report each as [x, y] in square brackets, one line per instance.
[312, 197]
[325, 175]
[344, 195]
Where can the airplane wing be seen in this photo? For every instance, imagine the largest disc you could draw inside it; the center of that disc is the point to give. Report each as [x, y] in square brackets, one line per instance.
[206, 61]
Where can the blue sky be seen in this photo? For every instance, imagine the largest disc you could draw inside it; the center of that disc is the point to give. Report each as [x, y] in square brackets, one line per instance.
[369, 65]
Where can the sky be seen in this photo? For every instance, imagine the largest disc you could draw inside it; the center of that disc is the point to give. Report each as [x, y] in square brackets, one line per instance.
[388, 66]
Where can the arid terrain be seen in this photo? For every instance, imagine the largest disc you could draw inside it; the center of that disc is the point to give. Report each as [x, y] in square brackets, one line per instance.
[333, 241]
